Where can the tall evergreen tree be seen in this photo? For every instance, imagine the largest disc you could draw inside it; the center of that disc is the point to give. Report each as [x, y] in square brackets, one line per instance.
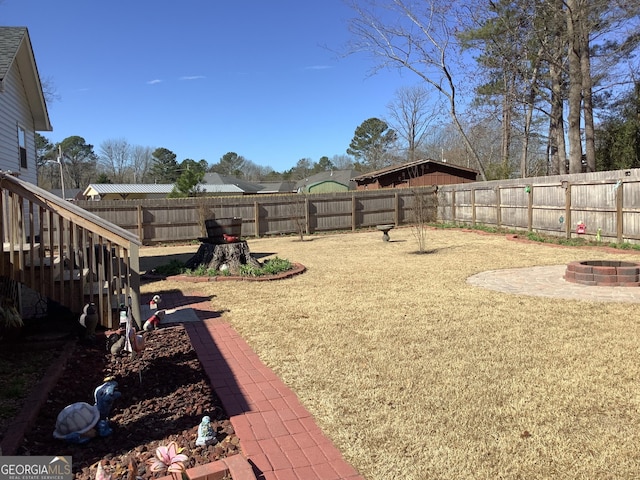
[618, 135]
[371, 142]
[165, 167]
[188, 183]
[79, 161]
[230, 164]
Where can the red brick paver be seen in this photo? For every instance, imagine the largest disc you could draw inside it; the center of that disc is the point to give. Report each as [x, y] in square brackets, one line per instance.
[277, 434]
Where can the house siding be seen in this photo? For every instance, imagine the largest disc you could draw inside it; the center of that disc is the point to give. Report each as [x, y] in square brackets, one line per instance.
[327, 187]
[422, 176]
[14, 111]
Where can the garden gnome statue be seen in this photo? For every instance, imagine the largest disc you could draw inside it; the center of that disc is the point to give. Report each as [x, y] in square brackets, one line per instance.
[206, 435]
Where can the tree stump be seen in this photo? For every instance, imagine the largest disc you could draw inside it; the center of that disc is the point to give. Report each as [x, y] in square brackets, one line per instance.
[233, 255]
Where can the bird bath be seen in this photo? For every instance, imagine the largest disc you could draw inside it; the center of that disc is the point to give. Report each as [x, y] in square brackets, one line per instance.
[385, 231]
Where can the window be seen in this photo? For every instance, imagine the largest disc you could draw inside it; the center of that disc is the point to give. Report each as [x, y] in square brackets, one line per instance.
[22, 146]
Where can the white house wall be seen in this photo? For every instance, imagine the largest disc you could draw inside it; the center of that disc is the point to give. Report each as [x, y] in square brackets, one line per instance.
[14, 111]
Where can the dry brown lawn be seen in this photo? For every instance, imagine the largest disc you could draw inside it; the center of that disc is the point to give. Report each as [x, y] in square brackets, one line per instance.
[415, 374]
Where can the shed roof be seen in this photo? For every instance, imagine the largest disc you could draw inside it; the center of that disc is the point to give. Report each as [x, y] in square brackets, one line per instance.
[345, 177]
[404, 166]
[128, 188]
[15, 47]
[277, 187]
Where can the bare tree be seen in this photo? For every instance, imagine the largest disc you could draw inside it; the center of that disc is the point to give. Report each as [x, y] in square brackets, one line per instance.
[297, 212]
[342, 162]
[416, 36]
[115, 158]
[411, 114]
[49, 90]
[423, 208]
[141, 161]
[253, 172]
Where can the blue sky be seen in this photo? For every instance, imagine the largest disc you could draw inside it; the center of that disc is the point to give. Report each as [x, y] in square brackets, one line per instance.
[205, 77]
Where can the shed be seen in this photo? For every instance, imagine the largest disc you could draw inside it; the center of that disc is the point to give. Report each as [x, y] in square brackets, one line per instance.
[420, 173]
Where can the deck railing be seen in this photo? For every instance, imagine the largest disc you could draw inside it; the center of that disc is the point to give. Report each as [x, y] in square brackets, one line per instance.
[66, 253]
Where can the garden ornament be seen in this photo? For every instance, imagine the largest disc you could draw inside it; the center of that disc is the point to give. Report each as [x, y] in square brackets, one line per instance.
[80, 422]
[153, 304]
[206, 435]
[115, 343]
[76, 423]
[101, 473]
[136, 341]
[153, 321]
[104, 396]
[89, 318]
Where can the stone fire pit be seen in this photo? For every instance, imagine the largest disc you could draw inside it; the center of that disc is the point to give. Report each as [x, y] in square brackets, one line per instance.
[606, 273]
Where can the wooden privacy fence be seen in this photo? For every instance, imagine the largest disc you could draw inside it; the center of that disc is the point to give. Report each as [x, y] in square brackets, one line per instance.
[175, 220]
[608, 202]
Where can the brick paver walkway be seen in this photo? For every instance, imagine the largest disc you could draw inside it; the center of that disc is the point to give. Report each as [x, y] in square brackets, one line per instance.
[277, 434]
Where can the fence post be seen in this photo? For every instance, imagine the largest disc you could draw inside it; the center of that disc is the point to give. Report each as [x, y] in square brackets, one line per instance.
[498, 207]
[619, 213]
[396, 210]
[567, 211]
[530, 209]
[453, 206]
[306, 215]
[256, 219]
[140, 226]
[473, 207]
[353, 212]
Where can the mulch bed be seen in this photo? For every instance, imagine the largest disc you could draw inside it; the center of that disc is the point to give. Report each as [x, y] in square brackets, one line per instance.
[164, 395]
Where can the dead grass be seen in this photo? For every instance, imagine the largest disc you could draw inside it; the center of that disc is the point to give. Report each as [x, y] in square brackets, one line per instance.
[415, 374]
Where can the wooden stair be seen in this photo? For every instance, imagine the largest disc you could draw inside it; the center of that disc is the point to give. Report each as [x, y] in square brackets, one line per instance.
[66, 253]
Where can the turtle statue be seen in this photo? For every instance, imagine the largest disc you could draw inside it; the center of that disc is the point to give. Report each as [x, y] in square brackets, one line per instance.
[80, 422]
[76, 423]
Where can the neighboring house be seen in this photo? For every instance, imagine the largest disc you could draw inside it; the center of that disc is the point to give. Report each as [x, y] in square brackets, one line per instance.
[277, 187]
[126, 191]
[23, 110]
[216, 183]
[419, 173]
[328, 182]
[69, 193]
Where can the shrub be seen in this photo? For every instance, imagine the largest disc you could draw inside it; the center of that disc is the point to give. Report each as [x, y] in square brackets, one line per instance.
[272, 266]
[174, 267]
